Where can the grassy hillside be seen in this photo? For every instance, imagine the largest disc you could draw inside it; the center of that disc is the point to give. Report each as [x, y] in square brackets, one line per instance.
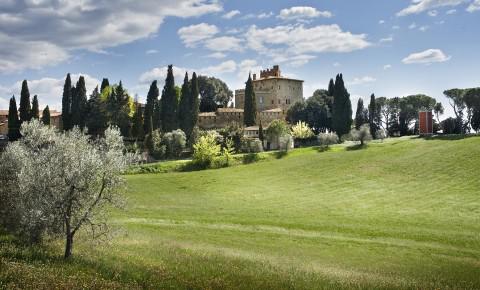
[400, 214]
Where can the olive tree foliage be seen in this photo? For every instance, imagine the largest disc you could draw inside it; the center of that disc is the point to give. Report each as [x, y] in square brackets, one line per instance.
[327, 139]
[54, 184]
[363, 134]
[206, 150]
[301, 130]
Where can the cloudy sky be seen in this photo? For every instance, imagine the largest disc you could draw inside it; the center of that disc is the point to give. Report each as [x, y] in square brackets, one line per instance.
[390, 48]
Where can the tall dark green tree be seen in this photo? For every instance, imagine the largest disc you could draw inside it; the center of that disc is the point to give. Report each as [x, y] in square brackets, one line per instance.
[157, 115]
[152, 99]
[96, 120]
[260, 132]
[361, 116]
[79, 104]
[25, 106]
[184, 105]
[169, 103]
[118, 109]
[342, 108]
[194, 106]
[137, 126]
[331, 87]
[67, 103]
[373, 116]
[46, 116]
[250, 104]
[105, 83]
[35, 113]
[13, 121]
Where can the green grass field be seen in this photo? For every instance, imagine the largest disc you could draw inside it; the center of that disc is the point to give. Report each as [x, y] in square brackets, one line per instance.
[400, 214]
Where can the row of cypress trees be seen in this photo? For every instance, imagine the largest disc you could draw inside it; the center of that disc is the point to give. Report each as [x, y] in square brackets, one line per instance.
[25, 113]
[370, 115]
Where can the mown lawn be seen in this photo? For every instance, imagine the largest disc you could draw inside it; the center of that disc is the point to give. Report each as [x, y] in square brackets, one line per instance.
[400, 214]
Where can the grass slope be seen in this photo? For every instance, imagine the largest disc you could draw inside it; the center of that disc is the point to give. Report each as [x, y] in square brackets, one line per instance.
[400, 214]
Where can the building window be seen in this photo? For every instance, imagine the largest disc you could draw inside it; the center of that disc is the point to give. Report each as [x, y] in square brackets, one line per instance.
[261, 100]
[279, 102]
[273, 102]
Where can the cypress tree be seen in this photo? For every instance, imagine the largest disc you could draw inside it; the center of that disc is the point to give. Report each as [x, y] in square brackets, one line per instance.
[260, 132]
[184, 111]
[157, 115]
[342, 108]
[120, 109]
[250, 104]
[35, 113]
[361, 116]
[79, 104]
[46, 116]
[13, 121]
[105, 83]
[169, 103]
[372, 116]
[25, 106]
[96, 120]
[194, 104]
[152, 98]
[137, 127]
[331, 87]
[67, 103]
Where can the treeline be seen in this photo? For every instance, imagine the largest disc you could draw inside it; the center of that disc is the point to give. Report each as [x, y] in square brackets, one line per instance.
[27, 111]
[466, 106]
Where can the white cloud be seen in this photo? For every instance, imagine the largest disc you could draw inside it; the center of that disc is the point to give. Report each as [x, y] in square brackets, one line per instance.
[231, 14]
[248, 66]
[381, 21]
[433, 13]
[419, 6]
[336, 64]
[451, 11]
[362, 80]
[217, 55]
[412, 26]
[424, 28]
[426, 57]
[474, 6]
[395, 27]
[224, 43]
[265, 15]
[151, 51]
[56, 27]
[302, 12]
[49, 90]
[193, 34]
[387, 66]
[386, 39]
[299, 39]
[228, 66]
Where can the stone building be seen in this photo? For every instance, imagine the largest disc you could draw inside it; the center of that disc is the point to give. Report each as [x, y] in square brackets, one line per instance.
[55, 120]
[274, 94]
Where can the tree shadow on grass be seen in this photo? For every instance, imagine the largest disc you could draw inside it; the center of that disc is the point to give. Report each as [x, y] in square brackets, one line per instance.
[280, 154]
[356, 147]
[321, 149]
[250, 158]
[448, 137]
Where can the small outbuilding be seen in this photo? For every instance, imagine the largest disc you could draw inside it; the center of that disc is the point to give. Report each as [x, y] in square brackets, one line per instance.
[425, 123]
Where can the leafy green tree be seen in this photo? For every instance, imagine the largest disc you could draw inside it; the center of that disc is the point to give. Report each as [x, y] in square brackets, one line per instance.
[46, 116]
[119, 109]
[363, 134]
[96, 120]
[79, 104]
[213, 93]
[194, 107]
[13, 121]
[327, 139]
[250, 105]
[35, 113]
[105, 84]
[67, 103]
[175, 142]
[152, 99]
[342, 108]
[157, 115]
[438, 110]
[25, 106]
[297, 112]
[276, 130]
[456, 101]
[361, 116]
[169, 104]
[206, 150]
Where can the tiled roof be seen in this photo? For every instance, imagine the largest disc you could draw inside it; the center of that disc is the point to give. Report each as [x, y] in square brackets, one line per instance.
[207, 114]
[229, 110]
[276, 110]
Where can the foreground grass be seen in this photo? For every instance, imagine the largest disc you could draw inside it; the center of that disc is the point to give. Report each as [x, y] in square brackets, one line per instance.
[400, 214]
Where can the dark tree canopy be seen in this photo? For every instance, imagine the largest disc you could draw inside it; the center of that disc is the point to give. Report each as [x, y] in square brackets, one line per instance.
[361, 116]
[137, 126]
[67, 103]
[250, 104]
[13, 121]
[169, 104]
[342, 108]
[152, 98]
[184, 105]
[105, 83]
[374, 116]
[194, 104]
[79, 104]
[25, 106]
[96, 114]
[35, 113]
[214, 93]
[46, 116]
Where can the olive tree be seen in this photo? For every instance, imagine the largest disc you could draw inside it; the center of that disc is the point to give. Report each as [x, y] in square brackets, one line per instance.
[56, 183]
[327, 139]
[363, 134]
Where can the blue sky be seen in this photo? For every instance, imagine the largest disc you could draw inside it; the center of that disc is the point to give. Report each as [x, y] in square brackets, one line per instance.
[390, 48]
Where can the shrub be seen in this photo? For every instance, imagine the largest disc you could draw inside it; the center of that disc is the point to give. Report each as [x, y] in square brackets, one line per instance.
[174, 142]
[234, 132]
[363, 134]
[327, 139]
[285, 142]
[380, 134]
[227, 152]
[206, 150]
[252, 145]
[302, 131]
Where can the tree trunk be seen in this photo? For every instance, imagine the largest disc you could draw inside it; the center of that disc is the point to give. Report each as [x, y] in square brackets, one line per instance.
[68, 246]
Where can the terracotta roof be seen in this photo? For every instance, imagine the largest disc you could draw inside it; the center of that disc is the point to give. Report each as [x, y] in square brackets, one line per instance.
[251, 128]
[229, 110]
[207, 114]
